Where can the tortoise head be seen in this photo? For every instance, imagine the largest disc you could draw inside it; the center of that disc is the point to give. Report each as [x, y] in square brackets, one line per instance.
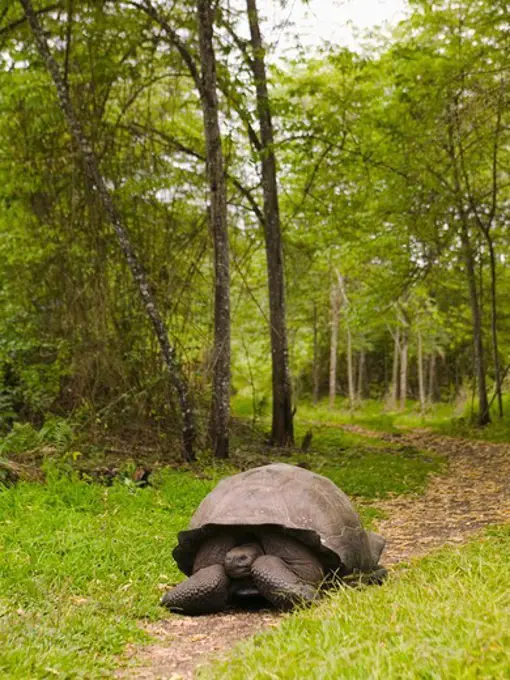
[238, 560]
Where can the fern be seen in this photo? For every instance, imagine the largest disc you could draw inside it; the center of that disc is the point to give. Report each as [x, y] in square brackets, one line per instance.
[6, 409]
[21, 438]
[56, 432]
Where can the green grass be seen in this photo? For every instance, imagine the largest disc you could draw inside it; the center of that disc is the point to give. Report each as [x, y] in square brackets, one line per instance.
[80, 563]
[497, 431]
[448, 616]
[373, 415]
[442, 417]
[366, 467]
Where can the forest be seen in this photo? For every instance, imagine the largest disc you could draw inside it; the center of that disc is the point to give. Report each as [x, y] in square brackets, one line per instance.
[214, 255]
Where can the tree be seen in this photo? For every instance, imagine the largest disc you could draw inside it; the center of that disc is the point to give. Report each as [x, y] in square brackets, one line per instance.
[282, 431]
[205, 81]
[98, 183]
[220, 411]
[333, 356]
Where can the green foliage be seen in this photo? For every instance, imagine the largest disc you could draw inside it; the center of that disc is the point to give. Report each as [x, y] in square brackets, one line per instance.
[367, 187]
[22, 438]
[446, 617]
[375, 415]
[463, 426]
[56, 432]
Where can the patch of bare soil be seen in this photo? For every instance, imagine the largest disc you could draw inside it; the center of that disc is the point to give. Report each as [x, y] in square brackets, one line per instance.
[474, 493]
[184, 643]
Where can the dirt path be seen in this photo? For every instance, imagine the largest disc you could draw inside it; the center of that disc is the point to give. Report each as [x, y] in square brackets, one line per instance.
[474, 493]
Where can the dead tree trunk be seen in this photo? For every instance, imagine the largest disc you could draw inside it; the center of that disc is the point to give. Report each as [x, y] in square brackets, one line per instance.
[220, 406]
[335, 315]
[282, 433]
[97, 182]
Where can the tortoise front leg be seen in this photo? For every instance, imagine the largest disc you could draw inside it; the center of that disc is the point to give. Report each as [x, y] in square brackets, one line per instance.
[371, 578]
[206, 592]
[281, 586]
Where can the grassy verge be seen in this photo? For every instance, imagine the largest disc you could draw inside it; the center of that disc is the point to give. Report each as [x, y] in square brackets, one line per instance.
[367, 467]
[81, 563]
[446, 617]
[443, 418]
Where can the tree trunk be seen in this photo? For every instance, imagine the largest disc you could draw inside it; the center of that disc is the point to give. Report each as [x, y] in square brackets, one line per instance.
[220, 405]
[350, 370]
[494, 327]
[483, 417]
[403, 369]
[432, 378]
[421, 378]
[394, 372]
[97, 182]
[361, 376]
[316, 365]
[282, 427]
[350, 364]
[335, 314]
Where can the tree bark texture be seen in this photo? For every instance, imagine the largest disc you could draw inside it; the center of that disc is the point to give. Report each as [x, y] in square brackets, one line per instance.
[316, 364]
[220, 406]
[350, 363]
[361, 375]
[335, 314]
[403, 368]
[282, 427]
[395, 367]
[421, 378]
[433, 378]
[483, 417]
[494, 327]
[350, 370]
[97, 182]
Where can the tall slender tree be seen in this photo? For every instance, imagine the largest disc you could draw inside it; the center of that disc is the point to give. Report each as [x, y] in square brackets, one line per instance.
[220, 409]
[205, 80]
[333, 349]
[98, 184]
[282, 432]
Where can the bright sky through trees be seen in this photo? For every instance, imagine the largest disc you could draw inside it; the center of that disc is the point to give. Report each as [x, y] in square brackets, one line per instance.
[335, 21]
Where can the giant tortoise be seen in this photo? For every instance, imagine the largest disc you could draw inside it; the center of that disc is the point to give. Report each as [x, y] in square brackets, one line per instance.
[277, 531]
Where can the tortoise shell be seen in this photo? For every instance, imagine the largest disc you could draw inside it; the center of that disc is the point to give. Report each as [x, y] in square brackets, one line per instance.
[293, 500]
